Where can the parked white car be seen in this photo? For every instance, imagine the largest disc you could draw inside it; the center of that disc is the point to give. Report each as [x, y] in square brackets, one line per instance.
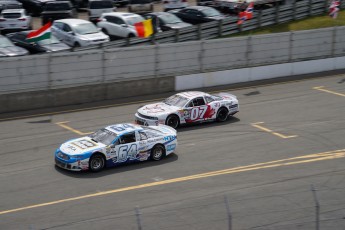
[97, 7]
[78, 32]
[119, 24]
[15, 20]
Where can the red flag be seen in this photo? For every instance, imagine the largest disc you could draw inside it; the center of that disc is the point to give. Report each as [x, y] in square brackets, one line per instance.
[247, 14]
[334, 8]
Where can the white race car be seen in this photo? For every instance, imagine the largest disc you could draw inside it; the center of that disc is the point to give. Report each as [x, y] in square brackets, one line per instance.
[116, 144]
[188, 107]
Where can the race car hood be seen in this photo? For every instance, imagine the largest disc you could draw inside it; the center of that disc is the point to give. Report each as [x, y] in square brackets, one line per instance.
[226, 96]
[157, 109]
[80, 146]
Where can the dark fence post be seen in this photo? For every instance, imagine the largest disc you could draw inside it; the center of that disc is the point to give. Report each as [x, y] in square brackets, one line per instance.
[228, 212]
[294, 9]
[220, 28]
[199, 32]
[317, 208]
[277, 13]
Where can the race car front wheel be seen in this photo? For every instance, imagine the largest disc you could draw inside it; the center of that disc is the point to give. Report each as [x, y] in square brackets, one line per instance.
[172, 121]
[157, 152]
[222, 114]
[96, 162]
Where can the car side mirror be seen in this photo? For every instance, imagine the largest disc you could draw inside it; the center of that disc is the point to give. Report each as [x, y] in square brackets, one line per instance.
[124, 25]
[112, 146]
[70, 32]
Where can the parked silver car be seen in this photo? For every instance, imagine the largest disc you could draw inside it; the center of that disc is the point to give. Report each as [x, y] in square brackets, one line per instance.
[78, 32]
[119, 24]
[8, 49]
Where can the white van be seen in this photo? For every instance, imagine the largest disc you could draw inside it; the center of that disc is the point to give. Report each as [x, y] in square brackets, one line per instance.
[97, 7]
[140, 6]
[174, 4]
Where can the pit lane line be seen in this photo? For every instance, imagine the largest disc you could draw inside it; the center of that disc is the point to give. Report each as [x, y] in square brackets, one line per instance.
[259, 126]
[321, 88]
[158, 99]
[331, 155]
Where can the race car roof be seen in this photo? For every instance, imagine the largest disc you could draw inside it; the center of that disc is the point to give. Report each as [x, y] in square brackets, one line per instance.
[192, 94]
[119, 129]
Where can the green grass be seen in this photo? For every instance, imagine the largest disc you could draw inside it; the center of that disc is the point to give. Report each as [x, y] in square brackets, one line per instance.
[315, 22]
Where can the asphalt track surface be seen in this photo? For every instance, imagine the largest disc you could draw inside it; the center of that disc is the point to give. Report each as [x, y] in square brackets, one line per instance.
[287, 137]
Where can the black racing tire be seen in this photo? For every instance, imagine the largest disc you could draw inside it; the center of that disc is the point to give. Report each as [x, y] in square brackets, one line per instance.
[96, 162]
[76, 44]
[173, 121]
[131, 35]
[222, 114]
[157, 152]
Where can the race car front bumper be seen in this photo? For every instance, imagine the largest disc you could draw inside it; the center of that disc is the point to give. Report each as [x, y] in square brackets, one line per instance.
[68, 166]
[146, 120]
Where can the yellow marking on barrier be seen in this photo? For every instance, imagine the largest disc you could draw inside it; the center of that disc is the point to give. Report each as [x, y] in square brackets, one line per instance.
[321, 88]
[62, 124]
[257, 125]
[271, 164]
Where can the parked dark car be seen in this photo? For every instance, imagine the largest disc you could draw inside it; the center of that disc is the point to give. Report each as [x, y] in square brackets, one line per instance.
[43, 46]
[198, 14]
[10, 4]
[55, 10]
[121, 3]
[8, 49]
[34, 7]
[204, 3]
[166, 21]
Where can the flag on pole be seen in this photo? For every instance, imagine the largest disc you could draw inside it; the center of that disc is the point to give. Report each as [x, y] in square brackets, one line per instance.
[144, 29]
[247, 14]
[334, 8]
[40, 34]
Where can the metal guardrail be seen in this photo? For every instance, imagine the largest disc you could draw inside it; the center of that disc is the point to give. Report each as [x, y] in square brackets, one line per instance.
[277, 15]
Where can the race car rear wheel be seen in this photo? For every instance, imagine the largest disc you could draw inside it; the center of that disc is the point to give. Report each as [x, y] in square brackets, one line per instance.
[222, 114]
[157, 152]
[172, 121]
[96, 163]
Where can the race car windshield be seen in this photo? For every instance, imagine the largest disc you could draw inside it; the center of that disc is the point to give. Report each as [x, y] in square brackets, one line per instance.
[103, 136]
[176, 100]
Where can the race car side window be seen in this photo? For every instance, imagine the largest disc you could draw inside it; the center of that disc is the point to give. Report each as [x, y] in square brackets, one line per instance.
[190, 104]
[143, 136]
[198, 101]
[127, 138]
[208, 99]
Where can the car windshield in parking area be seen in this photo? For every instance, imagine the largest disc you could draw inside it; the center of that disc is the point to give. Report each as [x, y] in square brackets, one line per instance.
[210, 12]
[4, 42]
[57, 6]
[52, 40]
[85, 28]
[139, 1]
[101, 4]
[103, 136]
[170, 19]
[176, 100]
[135, 19]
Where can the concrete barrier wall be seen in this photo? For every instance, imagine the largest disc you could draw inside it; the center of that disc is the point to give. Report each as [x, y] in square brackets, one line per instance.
[83, 94]
[201, 80]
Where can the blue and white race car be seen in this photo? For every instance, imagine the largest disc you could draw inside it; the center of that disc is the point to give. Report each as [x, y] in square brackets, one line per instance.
[116, 144]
